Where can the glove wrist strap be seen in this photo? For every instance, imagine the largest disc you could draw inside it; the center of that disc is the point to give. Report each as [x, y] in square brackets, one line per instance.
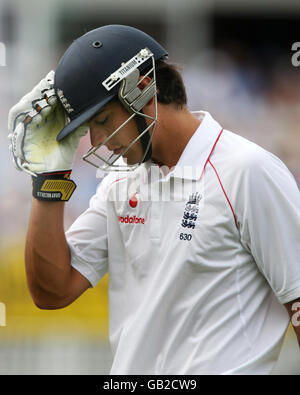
[53, 187]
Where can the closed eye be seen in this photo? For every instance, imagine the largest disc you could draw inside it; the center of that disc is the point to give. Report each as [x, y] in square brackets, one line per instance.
[101, 122]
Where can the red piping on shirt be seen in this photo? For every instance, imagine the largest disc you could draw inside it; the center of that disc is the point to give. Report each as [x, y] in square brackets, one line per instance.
[211, 152]
[225, 194]
[118, 179]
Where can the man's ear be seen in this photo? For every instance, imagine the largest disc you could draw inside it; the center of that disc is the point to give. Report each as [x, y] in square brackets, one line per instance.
[143, 82]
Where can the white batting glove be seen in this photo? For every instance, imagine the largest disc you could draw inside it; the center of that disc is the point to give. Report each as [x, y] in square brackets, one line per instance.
[34, 124]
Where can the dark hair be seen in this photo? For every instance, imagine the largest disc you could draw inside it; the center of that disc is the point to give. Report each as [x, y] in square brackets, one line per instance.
[170, 86]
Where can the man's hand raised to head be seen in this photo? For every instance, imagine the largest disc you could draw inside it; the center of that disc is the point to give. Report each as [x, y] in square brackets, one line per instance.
[33, 125]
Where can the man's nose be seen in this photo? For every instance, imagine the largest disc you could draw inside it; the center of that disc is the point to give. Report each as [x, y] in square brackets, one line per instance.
[97, 136]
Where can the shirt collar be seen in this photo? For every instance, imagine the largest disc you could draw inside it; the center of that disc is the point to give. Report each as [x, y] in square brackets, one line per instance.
[196, 153]
[199, 148]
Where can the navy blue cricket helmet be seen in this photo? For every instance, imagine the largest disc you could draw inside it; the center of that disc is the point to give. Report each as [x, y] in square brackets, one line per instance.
[89, 61]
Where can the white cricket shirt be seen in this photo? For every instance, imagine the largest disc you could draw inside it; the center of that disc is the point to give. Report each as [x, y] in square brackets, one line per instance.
[197, 278]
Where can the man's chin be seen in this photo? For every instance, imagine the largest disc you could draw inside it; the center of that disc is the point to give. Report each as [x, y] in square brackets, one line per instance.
[130, 161]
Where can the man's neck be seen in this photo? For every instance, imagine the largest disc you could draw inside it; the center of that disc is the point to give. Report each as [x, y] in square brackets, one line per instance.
[174, 130]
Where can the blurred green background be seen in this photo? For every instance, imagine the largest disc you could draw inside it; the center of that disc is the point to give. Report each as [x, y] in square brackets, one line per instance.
[236, 62]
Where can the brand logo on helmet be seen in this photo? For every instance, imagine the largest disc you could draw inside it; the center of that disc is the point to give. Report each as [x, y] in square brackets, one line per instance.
[67, 106]
[128, 67]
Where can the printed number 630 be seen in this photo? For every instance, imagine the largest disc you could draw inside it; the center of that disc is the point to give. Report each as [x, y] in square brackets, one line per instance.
[185, 236]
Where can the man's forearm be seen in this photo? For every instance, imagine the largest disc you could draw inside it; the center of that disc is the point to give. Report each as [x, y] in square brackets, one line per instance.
[47, 256]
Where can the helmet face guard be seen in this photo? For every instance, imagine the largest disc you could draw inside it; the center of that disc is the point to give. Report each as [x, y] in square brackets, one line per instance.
[133, 99]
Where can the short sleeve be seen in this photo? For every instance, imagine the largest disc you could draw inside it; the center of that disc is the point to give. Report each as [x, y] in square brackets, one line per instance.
[268, 214]
[87, 239]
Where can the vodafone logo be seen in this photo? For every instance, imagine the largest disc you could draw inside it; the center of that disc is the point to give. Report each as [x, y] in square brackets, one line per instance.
[131, 220]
